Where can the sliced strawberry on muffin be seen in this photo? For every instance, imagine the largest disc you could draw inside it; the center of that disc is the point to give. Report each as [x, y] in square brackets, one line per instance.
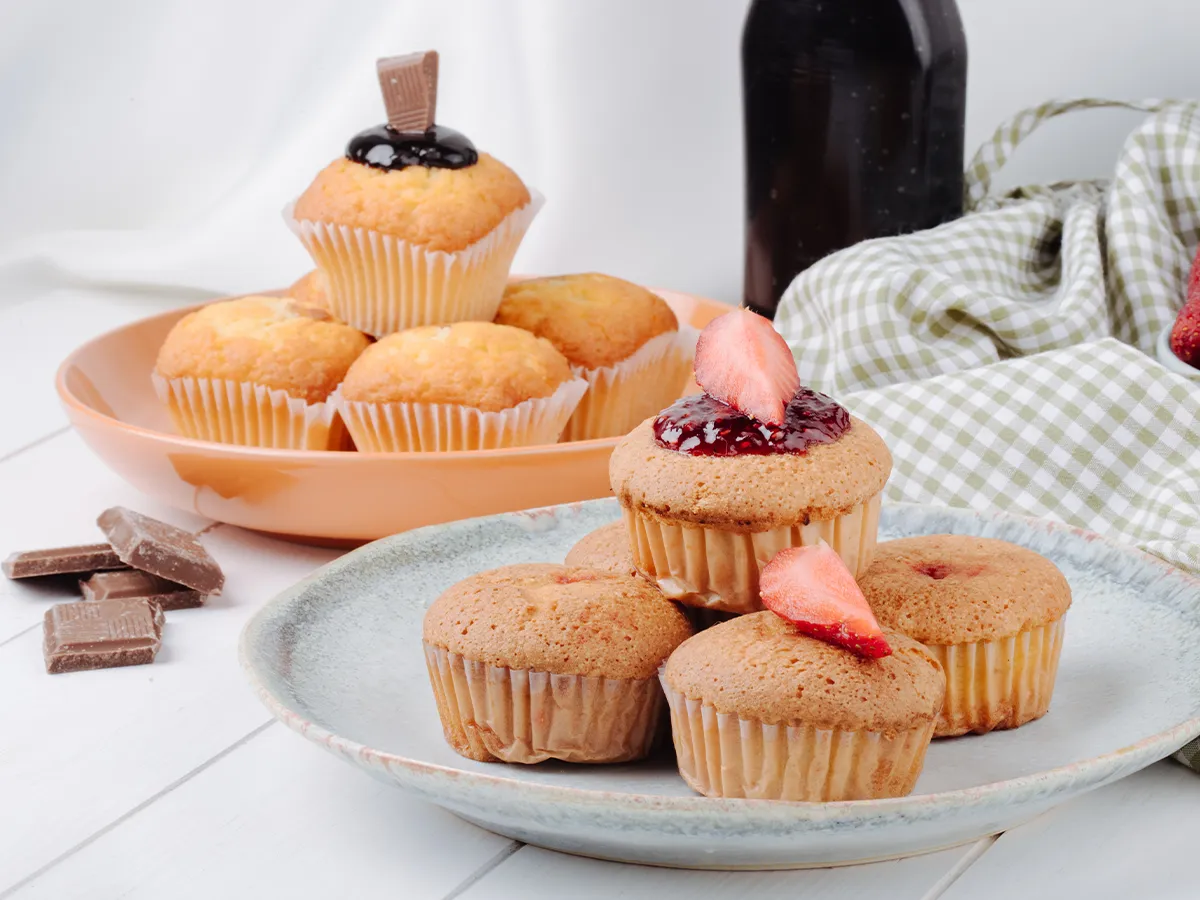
[743, 361]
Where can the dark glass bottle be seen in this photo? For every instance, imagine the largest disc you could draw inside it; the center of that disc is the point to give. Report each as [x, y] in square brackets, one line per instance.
[854, 115]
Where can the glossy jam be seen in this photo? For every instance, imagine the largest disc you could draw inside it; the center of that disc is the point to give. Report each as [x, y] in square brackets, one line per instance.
[703, 426]
[437, 148]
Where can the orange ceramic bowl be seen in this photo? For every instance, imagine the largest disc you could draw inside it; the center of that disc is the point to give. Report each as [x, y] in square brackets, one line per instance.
[340, 498]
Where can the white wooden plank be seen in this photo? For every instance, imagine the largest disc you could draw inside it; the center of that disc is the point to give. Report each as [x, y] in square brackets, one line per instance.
[1134, 838]
[37, 334]
[276, 818]
[78, 751]
[535, 874]
[52, 494]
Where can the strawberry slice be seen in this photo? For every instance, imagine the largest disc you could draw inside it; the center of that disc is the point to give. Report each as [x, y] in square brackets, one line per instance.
[812, 588]
[743, 361]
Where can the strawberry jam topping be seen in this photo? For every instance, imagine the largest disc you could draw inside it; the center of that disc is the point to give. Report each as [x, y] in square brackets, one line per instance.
[703, 426]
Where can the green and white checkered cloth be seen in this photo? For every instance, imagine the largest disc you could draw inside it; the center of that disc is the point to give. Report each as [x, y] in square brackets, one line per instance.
[1007, 357]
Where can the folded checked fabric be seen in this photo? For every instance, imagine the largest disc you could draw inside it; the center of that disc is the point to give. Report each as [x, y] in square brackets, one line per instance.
[1007, 357]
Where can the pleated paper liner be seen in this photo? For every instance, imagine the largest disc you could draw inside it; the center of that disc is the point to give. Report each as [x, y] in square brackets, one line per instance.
[999, 684]
[708, 567]
[624, 394]
[425, 427]
[492, 712]
[381, 284]
[252, 415]
[723, 755]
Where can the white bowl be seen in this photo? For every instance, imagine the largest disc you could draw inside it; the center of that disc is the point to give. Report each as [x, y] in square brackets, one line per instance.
[1165, 355]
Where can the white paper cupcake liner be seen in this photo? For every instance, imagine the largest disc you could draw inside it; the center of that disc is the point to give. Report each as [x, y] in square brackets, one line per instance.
[496, 713]
[626, 393]
[723, 755]
[426, 427]
[381, 284]
[708, 567]
[252, 415]
[998, 684]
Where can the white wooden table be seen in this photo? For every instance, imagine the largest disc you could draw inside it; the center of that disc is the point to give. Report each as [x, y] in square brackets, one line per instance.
[172, 781]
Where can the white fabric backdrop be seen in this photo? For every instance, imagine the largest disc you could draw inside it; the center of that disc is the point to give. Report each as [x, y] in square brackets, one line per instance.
[155, 141]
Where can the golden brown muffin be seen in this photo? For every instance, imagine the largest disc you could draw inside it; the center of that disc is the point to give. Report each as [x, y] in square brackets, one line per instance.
[311, 290]
[606, 549]
[990, 611]
[760, 710]
[566, 658]
[270, 341]
[438, 209]
[593, 320]
[476, 364]
[703, 526]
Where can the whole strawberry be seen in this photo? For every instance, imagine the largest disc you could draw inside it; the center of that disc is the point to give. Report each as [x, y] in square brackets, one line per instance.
[1185, 335]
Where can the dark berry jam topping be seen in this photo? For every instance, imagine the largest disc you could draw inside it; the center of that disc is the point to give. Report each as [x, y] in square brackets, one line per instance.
[438, 148]
[703, 426]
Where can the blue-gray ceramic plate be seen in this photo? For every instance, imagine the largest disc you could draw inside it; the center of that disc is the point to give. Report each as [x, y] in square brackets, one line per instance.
[338, 658]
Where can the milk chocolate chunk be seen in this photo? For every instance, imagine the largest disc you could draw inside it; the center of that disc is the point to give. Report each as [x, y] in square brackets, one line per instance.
[101, 635]
[61, 561]
[409, 86]
[161, 549]
[131, 584]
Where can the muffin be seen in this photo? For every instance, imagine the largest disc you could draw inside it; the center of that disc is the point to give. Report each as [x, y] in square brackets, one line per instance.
[709, 495]
[606, 549]
[311, 290]
[467, 386]
[537, 662]
[761, 711]
[992, 614]
[624, 340]
[257, 371]
[413, 229]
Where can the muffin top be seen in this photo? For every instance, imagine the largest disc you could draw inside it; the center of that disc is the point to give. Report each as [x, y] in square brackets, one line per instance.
[956, 589]
[311, 290]
[606, 549]
[273, 341]
[749, 492]
[594, 320]
[477, 364]
[759, 666]
[558, 619]
[439, 209]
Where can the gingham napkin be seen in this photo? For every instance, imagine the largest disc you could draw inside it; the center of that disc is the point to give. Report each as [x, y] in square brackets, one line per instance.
[1004, 356]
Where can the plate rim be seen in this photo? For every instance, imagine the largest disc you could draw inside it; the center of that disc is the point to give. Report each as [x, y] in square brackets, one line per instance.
[1101, 770]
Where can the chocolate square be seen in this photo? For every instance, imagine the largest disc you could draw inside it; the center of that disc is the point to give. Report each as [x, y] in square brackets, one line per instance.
[131, 584]
[101, 634]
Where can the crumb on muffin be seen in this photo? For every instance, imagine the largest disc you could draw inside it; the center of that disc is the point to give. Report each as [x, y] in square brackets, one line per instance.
[438, 209]
[594, 320]
[477, 364]
[272, 341]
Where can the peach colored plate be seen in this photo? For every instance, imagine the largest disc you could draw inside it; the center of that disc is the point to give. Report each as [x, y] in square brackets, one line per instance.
[341, 498]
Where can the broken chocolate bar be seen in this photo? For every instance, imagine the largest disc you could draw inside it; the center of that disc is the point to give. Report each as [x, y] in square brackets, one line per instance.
[132, 584]
[101, 635]
[409, 86]
[161, 549]
[61, 561]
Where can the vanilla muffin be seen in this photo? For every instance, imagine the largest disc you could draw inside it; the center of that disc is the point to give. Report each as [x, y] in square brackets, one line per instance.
[761, 711]
[537, 662]
[990, 611]
[467, 386]
[702, 526]
[257, 371]
[311, 290]
[606, 549]
[624, 340]
[413, 229]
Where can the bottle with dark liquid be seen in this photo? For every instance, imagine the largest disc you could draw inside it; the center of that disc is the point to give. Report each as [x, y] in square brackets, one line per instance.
[854, 115]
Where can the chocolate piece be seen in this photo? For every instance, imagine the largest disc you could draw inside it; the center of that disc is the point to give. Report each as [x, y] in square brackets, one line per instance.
[438, 148]
[131, 584]
[61, 561]
[101, 635]
[161, 549]
[409, 85]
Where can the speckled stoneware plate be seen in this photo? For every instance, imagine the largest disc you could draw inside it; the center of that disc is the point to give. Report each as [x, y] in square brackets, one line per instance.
[338, 658]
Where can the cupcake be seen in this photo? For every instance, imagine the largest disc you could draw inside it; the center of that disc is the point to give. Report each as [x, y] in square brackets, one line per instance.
[257, 371]
[992, 614]
[413, 226]
[763, 711]
[311, 290]
[467, 386]
[717, 483]
[537, 662]
[606, 549]
[624, 340]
